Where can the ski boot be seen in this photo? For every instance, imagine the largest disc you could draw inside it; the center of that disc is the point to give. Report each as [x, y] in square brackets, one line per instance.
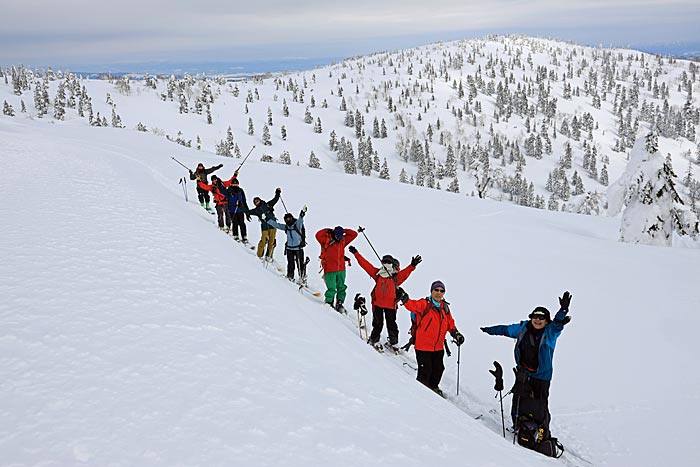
[340, 308]
[202, 204]
[206, 206]
[235, 237]
[222, 228]
[227, 229]
[393, 347]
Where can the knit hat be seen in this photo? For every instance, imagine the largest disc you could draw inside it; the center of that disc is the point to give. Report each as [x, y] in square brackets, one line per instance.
[338, 233]
[540, 312]
[437, 285]
[234, 181]
[256, 200]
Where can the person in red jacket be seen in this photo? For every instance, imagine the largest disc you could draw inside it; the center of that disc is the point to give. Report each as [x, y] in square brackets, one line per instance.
[333, 243]
[387, 279]
[433, 321]
[219, 188]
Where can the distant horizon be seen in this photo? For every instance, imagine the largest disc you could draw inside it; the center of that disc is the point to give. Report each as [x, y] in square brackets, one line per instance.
[243, 67]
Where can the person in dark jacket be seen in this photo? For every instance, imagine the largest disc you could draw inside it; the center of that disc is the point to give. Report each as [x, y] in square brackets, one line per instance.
[238, 207]
[333, 243]
[200, 174]
[265, 210]
[433, 320]
[387, 278]
[536, 339]
[294, 246]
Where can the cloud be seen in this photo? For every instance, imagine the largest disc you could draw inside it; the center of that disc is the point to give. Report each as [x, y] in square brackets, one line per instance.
[91, 30]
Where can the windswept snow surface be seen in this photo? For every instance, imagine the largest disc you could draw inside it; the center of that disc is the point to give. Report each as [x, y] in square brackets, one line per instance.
[134, 333]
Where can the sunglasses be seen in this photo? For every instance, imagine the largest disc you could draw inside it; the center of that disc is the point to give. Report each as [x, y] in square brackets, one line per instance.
[541, 318]
[439, 290]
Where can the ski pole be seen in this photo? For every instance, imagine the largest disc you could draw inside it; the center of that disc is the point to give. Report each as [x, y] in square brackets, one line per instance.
[246, 158]
[183, 182]
[188, 169]
[498, 374]
[283, 205]
[459, 354]
[362, 231]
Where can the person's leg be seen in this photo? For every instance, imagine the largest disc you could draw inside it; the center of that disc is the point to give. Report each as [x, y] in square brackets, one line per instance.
[438, 367]
[330, 279]
[340, 284]
[227, 213]
[291, 263]
[391, 327]
[220, 214]
[261, 244]
[244, 228]
[425, 368]
[271, 238]
[236, 224]
[377, 324]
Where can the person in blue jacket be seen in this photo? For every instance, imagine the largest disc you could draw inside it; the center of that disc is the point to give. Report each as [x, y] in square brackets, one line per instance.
[534, 349]
[294, 247]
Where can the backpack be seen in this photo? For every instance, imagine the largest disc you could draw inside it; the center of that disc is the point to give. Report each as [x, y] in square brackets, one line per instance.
[302, 234]
[532, 435]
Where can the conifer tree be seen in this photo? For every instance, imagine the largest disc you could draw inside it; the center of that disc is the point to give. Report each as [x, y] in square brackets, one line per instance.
[266, 136]
[308, 119]
[285, 158]
[283, 133]
[314, 163]
[403, 177]
[384, 172]
[317, 126]
[7, 109]
[251, 129]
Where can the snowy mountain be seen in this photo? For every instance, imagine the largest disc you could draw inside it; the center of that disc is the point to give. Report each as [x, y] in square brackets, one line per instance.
[135, 333]
[532, 121]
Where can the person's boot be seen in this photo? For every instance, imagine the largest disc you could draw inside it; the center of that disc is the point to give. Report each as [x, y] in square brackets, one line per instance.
[339, 307]
[201, 203]
[206, 206]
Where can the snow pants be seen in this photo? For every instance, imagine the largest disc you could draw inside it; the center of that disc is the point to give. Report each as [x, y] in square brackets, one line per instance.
[267, 237]
[335, 286]
[378, 315]
[223, 215]
[295, 258]
[238, 220]
[430, 367]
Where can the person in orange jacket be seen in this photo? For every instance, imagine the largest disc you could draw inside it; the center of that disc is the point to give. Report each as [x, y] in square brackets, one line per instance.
[387, 278]
[432, 322]
[333, 243]
[218, 188]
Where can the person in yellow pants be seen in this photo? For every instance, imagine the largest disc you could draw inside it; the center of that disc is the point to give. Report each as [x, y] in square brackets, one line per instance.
[265, 210]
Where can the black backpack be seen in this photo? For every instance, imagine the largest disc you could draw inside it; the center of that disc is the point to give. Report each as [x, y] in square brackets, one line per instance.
[532, 435]
[302, 234]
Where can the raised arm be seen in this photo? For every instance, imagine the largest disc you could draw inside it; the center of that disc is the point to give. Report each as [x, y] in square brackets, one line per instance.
[511, 330]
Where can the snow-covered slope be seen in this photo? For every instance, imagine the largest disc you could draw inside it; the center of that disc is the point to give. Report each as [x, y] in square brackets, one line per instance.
[133, 332]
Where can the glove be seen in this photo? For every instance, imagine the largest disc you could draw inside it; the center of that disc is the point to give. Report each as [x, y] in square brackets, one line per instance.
[191, 173]
[235, 172]
[458, 337]
[247, 216]
[498, 374]
[401, 295]
[485, 329]
[564, 301]
[352, 249]
[278, 190]
[415, 261]
[302, 213]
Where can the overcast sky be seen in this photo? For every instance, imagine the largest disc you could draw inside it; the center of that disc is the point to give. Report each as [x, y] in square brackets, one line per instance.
[68, 32]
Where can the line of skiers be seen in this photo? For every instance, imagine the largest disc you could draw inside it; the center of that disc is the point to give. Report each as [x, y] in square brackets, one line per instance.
[431, 316]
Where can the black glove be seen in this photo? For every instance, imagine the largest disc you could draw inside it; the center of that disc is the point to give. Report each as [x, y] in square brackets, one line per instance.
[352, 249]
[401, 295]
[302, 213]
[458, 337]
[247, 216]
[485, 329]
[278, 190]
[415, 261]
[191, 173]
[498, 374]
[564, 301]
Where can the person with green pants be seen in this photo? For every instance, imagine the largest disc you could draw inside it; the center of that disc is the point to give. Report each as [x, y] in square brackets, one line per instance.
[333, 243]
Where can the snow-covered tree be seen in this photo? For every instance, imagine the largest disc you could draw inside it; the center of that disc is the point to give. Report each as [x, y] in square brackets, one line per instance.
[384, 172]
[7, 109]
[653, 209]
[266, 136]
[314, 163]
